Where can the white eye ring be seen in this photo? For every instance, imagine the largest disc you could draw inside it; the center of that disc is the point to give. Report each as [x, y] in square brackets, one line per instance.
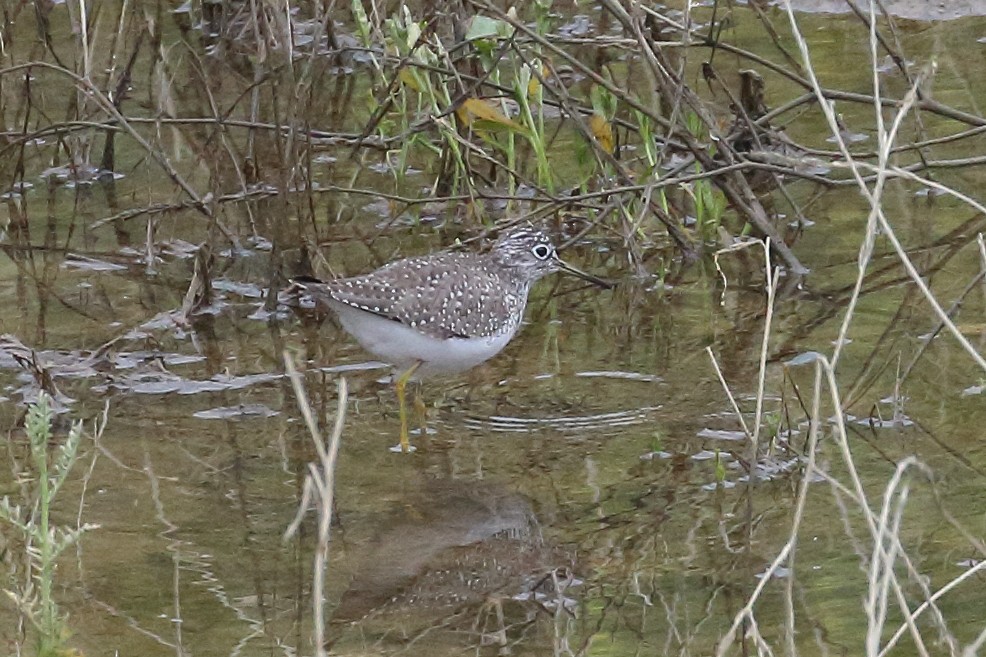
[541, 251]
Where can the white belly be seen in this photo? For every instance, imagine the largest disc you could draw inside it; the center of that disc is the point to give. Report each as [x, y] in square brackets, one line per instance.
[403, 346]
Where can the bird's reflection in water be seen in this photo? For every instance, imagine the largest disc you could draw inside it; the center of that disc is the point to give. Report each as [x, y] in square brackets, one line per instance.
[461, 562]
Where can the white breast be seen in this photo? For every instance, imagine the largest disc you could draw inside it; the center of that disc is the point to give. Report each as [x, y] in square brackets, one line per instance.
[402, 346]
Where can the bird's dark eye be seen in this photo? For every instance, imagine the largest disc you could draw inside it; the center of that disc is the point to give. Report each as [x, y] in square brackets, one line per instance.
[541, 251]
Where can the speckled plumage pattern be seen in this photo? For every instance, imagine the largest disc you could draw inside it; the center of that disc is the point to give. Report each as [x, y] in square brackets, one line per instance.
[444, 312]
[454, 294]
[442, 296]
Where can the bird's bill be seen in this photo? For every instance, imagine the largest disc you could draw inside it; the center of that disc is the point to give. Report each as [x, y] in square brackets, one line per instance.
[578, 273]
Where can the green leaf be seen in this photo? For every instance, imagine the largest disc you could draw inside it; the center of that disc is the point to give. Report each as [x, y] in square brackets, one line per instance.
[720, 468]
[484, 27]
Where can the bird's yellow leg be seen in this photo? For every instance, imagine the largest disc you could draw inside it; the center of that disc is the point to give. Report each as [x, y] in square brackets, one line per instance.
[401, 385]
[422, 412]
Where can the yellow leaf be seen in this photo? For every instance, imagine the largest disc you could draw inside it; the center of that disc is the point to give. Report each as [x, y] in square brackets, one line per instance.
[602, 131]
[535, 83]
[482, 114]
[407, 76]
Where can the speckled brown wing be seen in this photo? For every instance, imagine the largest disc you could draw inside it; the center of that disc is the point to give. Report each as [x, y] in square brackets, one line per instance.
[443, 296]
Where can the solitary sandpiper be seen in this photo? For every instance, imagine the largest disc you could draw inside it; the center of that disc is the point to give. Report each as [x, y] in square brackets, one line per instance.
[442, 313]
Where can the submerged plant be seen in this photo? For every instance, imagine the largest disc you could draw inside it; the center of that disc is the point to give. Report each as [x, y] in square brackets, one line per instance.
[44, 542]
[709, 202]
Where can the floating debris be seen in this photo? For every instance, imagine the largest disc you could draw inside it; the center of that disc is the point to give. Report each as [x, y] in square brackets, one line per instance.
[235, 412]
[721, 434]
[625, 376]
[77, 261]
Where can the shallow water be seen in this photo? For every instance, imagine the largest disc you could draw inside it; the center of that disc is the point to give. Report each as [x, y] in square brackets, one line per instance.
[582, 493]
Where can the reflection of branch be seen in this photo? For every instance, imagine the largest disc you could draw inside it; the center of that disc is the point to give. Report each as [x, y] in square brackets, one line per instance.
[260, 194]
[940, 325]
[45, 289]
[320, 489]
[550, 202]
[317, 137]
[832, 94]
[86, 86]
